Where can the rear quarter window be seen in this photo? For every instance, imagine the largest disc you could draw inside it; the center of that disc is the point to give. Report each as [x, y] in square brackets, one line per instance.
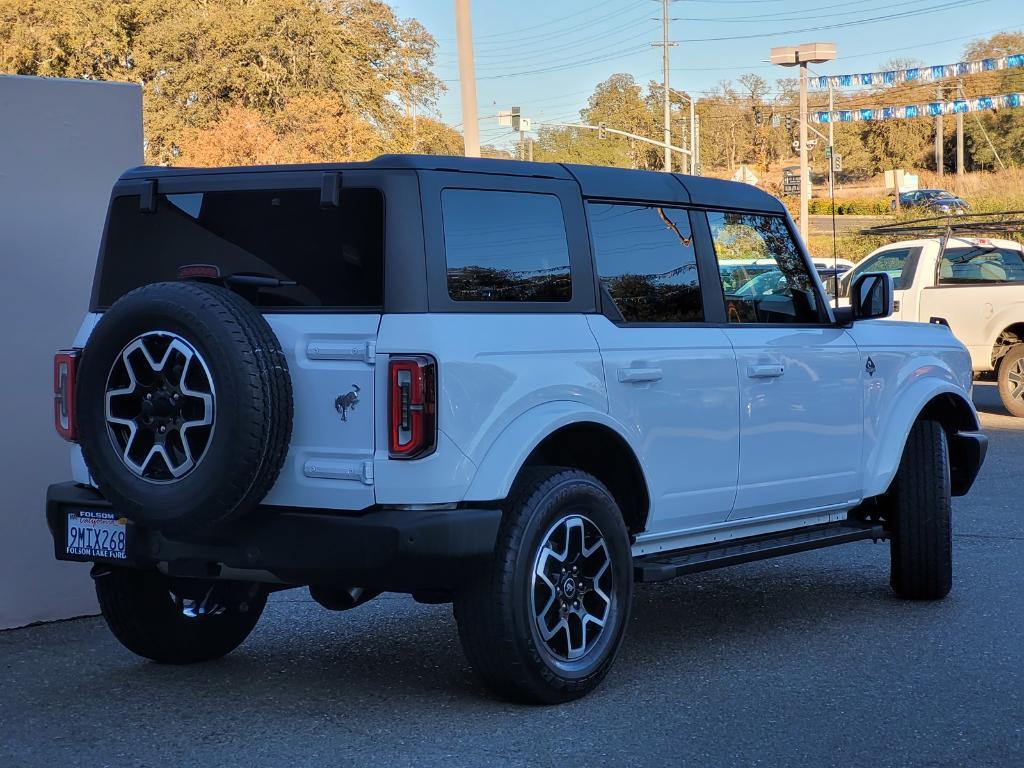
[505, 246]
[334, 255]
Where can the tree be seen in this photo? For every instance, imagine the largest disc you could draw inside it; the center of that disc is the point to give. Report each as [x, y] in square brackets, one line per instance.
[199, 61]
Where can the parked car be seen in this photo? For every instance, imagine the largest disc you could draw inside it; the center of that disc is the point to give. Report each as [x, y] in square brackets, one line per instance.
[981, 299]
[937, 200]
[517, 387]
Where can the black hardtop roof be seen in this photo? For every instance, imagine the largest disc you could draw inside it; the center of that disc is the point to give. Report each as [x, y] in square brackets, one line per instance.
[594, 180]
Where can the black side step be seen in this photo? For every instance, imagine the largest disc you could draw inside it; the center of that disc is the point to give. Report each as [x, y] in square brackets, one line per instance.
[662, 566]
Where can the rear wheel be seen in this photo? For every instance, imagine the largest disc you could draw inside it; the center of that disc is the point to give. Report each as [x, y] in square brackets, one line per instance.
[178, 621]
[543, 620]
[1010, 378]
[920, 517]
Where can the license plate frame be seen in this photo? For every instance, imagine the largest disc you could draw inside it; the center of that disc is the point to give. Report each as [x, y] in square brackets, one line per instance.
[95, 535]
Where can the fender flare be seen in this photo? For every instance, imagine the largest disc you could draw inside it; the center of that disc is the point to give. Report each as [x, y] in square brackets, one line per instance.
[884, 458]
[511, 448]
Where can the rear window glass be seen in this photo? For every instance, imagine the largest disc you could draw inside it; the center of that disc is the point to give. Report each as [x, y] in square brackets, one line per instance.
[981, 264]
[505, 246]
[333, 255]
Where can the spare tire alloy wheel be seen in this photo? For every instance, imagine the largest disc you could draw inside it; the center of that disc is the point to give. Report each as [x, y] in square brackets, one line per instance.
[184, 406]
[573, 590]
[160, 401]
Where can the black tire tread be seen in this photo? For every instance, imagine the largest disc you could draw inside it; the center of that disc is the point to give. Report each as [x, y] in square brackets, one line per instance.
[1015, 407]
[137, 607]
[921, 547]
[261, 440]
[484, 610]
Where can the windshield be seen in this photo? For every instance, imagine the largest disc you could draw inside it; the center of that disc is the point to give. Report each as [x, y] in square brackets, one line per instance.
[897, 263]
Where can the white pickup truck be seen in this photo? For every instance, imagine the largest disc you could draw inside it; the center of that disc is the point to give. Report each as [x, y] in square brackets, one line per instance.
[975, 286]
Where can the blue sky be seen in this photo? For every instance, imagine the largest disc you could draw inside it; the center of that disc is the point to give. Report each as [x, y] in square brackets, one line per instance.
[547, 56]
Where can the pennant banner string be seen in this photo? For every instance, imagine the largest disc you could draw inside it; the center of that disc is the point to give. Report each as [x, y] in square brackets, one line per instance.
[917, 74]
[927, 109]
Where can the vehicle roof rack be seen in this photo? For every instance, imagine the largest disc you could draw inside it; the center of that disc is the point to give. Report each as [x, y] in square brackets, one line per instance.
[1004, 222]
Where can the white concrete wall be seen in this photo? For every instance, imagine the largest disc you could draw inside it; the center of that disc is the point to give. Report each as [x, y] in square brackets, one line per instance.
[63, 143]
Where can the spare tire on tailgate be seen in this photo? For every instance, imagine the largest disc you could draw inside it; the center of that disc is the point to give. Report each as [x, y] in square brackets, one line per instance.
[184, 406]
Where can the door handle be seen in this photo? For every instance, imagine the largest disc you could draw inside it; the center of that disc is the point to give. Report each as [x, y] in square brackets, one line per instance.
[765, 371]
[638, 375]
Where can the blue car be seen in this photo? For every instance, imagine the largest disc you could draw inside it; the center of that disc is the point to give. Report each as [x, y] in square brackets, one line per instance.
[937, 200]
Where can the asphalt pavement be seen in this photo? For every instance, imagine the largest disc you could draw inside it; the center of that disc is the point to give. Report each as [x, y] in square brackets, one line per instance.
[845, 224]
[807, 660]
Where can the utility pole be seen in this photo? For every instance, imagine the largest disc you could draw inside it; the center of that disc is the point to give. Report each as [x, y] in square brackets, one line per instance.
[467, 78]
[696, 144]
[959, 134]
[939, 162]
[693, 137]
[665, 45]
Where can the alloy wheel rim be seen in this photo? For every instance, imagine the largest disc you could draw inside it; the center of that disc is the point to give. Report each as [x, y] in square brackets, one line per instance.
[159, 407]
[1016, 378]
[573, 590]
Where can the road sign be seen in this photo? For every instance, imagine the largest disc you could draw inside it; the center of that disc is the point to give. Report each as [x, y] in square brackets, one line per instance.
[791, 180]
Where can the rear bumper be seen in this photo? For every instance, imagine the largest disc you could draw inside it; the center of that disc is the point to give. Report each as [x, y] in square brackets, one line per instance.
[394, 550]
[966, 455]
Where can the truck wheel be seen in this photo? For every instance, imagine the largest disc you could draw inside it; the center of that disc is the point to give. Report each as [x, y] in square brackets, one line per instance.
[919, 517]
[1011, 380]
[542, 621]
[178, 622]
[184, 406]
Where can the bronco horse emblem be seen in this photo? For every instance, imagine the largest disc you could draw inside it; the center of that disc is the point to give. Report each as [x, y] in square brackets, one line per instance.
[347, 402]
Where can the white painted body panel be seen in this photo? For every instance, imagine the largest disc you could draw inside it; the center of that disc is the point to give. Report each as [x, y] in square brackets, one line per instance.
[330, 459]
[914, 362]
[800, 432]
[723, 454]
[977, 314]
[679, 413]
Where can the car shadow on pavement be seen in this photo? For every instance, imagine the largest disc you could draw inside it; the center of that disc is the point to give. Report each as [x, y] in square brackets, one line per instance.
[986, 398]
[302, 659]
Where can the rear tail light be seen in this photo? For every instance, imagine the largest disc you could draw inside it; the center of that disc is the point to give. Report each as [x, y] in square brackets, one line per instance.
[65, 373]
[412, 405]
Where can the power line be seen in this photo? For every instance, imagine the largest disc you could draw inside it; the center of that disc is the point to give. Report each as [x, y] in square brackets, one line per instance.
[841, 25]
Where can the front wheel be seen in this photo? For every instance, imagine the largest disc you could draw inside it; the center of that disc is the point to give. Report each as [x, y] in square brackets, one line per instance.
[919, 517]
[543, 620]
[1010, 378]
[178, 621]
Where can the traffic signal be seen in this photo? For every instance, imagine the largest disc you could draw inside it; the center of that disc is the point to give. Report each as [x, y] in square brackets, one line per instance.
[757, 116]
[601, 132]
[516, 117]
[789, 122]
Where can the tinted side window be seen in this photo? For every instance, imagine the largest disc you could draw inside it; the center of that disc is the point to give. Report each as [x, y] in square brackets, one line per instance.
[981, 264]
[646, 262]
[776, 285]
[505, 246]
[334, 255]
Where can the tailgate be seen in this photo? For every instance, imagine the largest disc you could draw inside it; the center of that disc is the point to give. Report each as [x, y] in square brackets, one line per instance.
[330, 459]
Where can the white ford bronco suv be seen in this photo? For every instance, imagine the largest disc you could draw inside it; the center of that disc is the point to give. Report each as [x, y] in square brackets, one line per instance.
[956, 273]
[518, 387]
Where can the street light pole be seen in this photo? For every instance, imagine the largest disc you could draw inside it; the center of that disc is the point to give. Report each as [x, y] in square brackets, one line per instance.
[467, 78]
[805, 192]
[802, 55]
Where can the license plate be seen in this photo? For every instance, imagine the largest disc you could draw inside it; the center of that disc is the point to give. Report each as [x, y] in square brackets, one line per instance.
[96, 534]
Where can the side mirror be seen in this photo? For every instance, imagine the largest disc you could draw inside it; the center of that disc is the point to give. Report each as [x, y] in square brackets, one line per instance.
[871, 296]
